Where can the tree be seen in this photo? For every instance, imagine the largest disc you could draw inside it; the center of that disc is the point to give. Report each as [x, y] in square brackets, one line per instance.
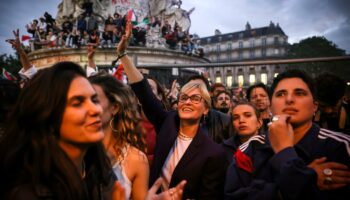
[319, 47]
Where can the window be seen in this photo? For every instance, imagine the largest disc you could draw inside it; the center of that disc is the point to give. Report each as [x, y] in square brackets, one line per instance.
[263, 42]
[229, 57]
[218, 48]
[251, 79]
[229, 46]
[263, 52]
[240, 80]
[264, 78]
[252, 43]
[175, 71]
[275, 75]
[229, 81]
[252, 53]
[218, 79]
[240, 44]
[276, 40]
[240, 55]
[276, 51]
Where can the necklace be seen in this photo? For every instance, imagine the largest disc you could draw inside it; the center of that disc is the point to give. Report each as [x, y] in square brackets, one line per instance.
[83, 172]
[183, 136]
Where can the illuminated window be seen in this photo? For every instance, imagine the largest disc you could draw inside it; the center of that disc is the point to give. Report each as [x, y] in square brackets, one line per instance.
[229, 81]
[252, 79]
[175, 71]
[264, 78]
[240, 80]
[218, 79]
[276, 74]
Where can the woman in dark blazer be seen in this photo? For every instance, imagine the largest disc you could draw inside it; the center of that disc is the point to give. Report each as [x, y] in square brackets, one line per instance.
[183, 149]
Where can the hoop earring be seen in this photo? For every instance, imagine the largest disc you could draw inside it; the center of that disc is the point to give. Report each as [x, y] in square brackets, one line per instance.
[111, 125]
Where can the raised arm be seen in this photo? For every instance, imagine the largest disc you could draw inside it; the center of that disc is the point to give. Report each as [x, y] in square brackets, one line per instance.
[131, 71]
[16, 44]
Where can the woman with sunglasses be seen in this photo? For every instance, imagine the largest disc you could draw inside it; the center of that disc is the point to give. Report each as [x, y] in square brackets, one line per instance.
[183, 150]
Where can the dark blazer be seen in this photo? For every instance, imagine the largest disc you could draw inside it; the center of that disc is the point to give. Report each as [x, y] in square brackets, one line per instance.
[204, 163]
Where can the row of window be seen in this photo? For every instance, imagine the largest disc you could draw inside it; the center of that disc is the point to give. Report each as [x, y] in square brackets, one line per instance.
[252, 43]
[240, 79]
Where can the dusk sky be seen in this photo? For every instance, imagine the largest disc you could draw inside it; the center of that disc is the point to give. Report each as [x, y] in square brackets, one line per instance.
[298, 18]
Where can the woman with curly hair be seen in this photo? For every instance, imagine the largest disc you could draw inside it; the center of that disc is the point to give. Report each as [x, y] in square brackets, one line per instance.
[123, 134]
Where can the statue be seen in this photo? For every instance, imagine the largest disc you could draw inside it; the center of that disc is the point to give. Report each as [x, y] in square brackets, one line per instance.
[165, 10]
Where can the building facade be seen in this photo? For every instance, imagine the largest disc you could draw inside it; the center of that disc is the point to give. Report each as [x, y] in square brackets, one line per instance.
[263, 43]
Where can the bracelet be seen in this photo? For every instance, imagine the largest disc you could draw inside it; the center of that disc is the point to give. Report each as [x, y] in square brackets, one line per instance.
[122, 54]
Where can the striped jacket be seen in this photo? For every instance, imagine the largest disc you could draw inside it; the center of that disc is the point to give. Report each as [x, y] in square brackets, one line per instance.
[285, 175]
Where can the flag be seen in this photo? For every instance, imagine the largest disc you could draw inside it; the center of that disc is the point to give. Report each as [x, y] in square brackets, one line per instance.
[118, 74]
[7, 75]
[132, 17]
[26, 37]
[144, 23]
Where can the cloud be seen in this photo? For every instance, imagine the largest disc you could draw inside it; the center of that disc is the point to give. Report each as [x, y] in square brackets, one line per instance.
[298, 18]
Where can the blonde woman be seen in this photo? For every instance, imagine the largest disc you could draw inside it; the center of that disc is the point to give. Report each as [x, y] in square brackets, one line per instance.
[183, 149]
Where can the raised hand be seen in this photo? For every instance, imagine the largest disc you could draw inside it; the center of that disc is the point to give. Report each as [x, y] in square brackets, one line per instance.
[90, 51]
[171, 194]
[16, 43]
[281, 133]
[123, 43]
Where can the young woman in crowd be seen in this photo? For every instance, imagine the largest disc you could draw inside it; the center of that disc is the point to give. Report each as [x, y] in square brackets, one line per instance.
[183, 151]
[297, 159]
[123, 134]
[246, 122]
[52, 146]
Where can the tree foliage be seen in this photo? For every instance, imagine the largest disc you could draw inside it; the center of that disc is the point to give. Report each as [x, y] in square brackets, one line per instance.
[319, 47]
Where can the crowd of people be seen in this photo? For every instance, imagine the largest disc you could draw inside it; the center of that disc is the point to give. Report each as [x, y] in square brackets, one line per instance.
[74, 134]
[90, 29]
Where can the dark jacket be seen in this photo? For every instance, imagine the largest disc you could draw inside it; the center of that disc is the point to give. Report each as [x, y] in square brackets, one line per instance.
[219, 125]
[230, 146]
[203, 165]
[93, 191]
[285, 175]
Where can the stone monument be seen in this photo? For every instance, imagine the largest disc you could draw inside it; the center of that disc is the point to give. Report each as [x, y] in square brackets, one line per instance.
[165, 10]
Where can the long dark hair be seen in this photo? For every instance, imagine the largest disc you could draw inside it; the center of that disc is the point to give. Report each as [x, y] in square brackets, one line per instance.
[128, 117]
[30, 153]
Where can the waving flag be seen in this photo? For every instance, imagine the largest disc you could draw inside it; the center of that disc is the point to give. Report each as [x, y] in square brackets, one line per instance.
[144, 23]
[26, 37]
[7, 75]
[118, 74]
[132, 17]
